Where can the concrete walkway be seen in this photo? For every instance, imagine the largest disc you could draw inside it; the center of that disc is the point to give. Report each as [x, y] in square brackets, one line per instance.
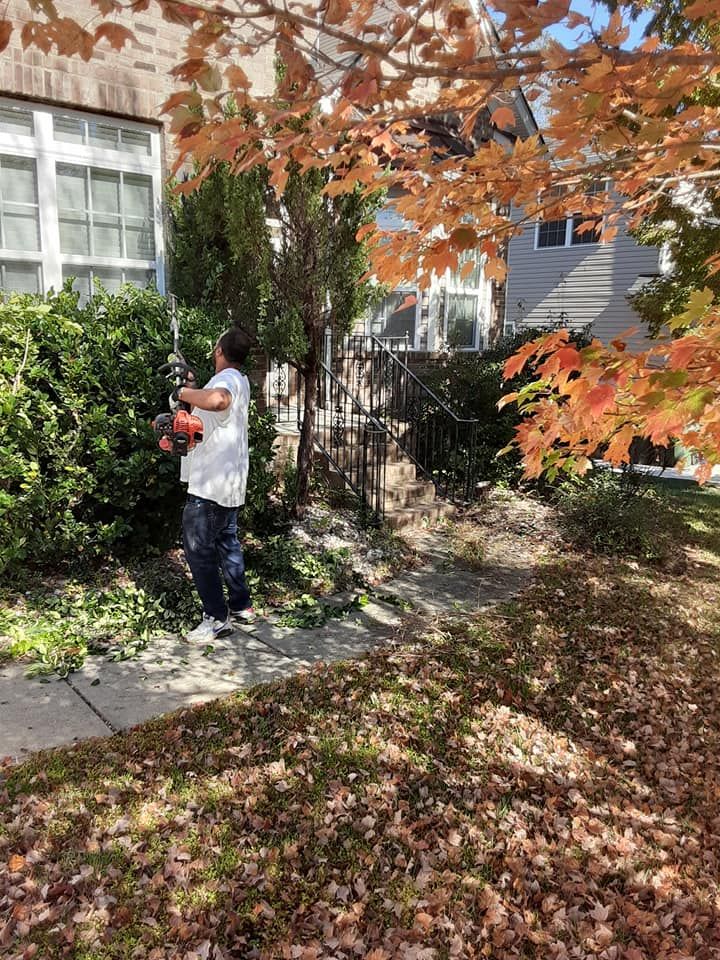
[107, 696]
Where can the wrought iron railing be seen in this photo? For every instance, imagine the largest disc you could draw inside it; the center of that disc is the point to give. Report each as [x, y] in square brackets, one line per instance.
[442, 445]
[351, 439]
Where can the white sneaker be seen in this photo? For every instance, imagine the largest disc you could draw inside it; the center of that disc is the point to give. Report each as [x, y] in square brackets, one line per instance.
[243, 617]
[209, 629]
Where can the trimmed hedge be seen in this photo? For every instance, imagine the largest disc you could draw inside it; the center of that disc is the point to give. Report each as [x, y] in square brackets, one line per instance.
[80, 472]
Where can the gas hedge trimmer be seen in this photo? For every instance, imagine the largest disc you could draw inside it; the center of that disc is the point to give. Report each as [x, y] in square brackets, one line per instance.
[177, 432]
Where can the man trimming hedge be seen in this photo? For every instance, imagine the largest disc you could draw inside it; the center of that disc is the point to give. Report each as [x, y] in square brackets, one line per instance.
[216, 472]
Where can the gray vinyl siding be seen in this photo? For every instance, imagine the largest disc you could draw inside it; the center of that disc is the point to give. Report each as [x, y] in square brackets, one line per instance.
[589, 283]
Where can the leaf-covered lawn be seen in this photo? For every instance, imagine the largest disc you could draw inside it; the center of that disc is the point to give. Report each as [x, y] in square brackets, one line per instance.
[539, 782]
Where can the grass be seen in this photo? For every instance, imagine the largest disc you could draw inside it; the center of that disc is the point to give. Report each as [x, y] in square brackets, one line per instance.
[538, 781]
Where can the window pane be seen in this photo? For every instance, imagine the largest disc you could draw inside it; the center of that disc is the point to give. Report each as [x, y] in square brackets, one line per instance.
[20, 212]
[105, 191]
[21, 277]
[107, 236]
[20, 228]
[102, 136]
[140, 278]
[110, 277]
[589, 236]
[71, 187]
[16, 121]
[69, 129]
[139, 240]
[74, 234]
[552, 233]
[81, 280]
[18, 180]
[135, 141]
[389, 321]
[137, 196]
[473, 280]
[462, 313]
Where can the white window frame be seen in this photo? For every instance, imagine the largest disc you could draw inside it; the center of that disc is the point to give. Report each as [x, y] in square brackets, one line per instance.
[47, 153]
[569, 230]
[406, 290]
[483, 292]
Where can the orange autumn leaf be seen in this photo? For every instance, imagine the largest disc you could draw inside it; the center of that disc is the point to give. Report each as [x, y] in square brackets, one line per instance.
[503, 117]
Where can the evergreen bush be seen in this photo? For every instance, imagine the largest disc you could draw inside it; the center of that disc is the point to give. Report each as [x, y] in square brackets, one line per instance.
[471, 384]
[619, 516]
[80, 471]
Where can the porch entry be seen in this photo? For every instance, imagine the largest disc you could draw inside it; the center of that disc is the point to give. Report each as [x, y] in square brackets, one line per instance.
[453, 314]
[379, 427]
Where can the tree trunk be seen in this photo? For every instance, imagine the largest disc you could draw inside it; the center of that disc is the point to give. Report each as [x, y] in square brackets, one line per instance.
[307, 431]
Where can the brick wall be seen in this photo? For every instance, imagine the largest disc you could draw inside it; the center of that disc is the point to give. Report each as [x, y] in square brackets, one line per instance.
[132, 82]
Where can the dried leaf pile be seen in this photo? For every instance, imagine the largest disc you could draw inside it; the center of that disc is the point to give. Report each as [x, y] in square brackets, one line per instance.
[541, 781]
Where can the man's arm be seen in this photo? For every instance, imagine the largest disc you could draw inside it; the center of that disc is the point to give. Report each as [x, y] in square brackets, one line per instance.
[216, 399]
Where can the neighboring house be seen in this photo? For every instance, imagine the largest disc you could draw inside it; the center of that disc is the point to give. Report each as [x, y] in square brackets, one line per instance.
[84, 158]
[452, 313]
[560, 278]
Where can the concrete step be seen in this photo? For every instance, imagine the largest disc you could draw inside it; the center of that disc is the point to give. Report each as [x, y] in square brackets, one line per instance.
[402, 471]
[355, 452]
[400, 518]
[354, 439]
[408, 494]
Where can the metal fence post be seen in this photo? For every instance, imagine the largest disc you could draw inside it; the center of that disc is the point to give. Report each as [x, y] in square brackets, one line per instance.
[374, 457]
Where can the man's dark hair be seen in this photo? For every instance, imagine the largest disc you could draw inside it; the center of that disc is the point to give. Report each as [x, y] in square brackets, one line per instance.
[235, 345]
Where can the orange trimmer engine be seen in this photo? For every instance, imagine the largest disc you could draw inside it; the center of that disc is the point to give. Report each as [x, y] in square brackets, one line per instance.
[178, 433]
[180, 430]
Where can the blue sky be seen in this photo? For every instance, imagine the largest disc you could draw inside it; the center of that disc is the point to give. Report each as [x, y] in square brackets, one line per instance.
[599, 15]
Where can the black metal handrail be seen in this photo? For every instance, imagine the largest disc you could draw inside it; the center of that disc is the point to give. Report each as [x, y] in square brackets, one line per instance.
[441, 444]
[423, 386]
[347, 434]
[357, 446]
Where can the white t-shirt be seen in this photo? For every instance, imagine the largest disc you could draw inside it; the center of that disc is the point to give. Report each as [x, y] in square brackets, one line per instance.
[217, 468]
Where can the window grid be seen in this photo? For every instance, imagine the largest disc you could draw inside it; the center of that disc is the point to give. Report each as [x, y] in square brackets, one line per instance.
[112, 278]
[462, 320]
[588, 236]
[561, 233]
[95, 217]
[463, 300]
[13, 276]
[94, 133]
[27, 136]
[552, 233]
[388, 322]
[16, 121]
[27, 210]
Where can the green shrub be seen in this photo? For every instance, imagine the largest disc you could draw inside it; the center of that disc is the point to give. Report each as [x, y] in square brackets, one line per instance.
[618, 516]
[80, 472]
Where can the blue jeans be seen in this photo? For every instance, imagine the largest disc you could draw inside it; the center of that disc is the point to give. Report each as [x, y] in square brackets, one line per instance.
[211, 544]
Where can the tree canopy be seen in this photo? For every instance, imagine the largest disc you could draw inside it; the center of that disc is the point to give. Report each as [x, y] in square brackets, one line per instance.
[366, 76]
